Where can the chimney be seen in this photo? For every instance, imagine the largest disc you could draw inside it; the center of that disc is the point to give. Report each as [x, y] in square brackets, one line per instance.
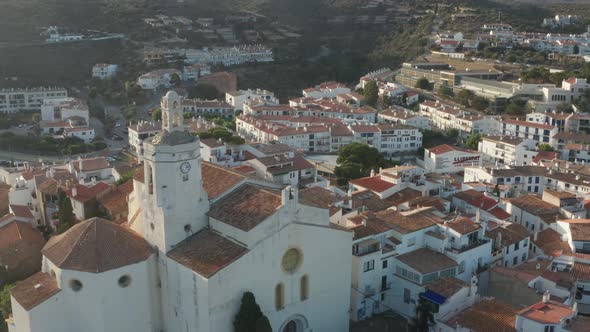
[546, 296]
[536, 236]
[74, 191]
[372, 173]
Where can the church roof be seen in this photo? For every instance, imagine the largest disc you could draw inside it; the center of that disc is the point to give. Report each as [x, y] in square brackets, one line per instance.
[317, 197]
[96, 245]
[217, 180]
[206, 252]
[246, 207]
[34, 290]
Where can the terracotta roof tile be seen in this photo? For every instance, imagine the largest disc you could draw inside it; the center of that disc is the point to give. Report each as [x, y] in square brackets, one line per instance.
[549, 241]
[440, 149]
[206, 252]
[511, 233]
[402, 196]
[425, 260]
[217, 180]
[486, 316]
[446, 287]
[369, 200]
[547, 312]
[21, 211]
[534, 205]
[34, 290]
[116, 201]
[244, 169]
[91, 164]
[477, 199]
[375, 184]
[317, 197]
[85, 194]
[246, 207]
[463, 225]
[16, 231]
[96, 245]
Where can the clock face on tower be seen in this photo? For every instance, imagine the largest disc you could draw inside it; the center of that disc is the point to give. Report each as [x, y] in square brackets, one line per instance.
[185, 167]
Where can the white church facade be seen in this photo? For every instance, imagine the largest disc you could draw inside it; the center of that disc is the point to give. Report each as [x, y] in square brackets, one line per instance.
[197, 238]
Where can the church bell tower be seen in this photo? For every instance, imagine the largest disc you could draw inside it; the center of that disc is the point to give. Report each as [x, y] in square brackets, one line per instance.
[174, 203]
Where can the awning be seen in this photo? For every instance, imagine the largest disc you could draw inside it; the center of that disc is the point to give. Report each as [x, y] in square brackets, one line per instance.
[433, 297]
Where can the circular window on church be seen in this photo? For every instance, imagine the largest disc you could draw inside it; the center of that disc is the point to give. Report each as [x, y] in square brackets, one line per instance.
[291, 260]
[124, 281]
[75, 285]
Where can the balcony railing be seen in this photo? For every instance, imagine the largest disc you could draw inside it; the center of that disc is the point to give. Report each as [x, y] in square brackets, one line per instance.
[468, 247]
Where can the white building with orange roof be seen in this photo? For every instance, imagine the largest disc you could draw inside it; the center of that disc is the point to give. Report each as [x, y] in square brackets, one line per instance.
[326, 90]
[404, 116]
[238, 98]
[546, 315]
[450, 159]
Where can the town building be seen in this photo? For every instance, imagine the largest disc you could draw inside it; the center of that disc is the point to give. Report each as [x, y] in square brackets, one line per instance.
[538, 132]
[104, 70]
[199, 108]
[326, 90]
[195, 71]
[69, 117]
[449, 159]
[507, 150]
[30, 99]
[404, 116]
[161, 78]
[238, 98]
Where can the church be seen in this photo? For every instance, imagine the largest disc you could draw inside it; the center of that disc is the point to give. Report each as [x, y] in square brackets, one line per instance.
[197, 237]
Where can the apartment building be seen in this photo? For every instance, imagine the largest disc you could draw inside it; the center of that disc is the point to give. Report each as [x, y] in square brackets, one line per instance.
[238, 98]
[538, 132]
[507, 150]
[449, 159]
[447, 117]
[156, 79]
[404, 116]
[30, 99]
[326, 90]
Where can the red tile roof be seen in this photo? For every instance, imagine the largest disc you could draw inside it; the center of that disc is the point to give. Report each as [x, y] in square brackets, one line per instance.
[463, 225]
[35, 290]
[317, 197]
[445, 148]
[244, 169]
[486, 316]
[246, 207]
[217, 180]
[16, 231]
[372, 183]
[426, 260]
[545, 155]
[206, 252]
[21, 211]
[547, 312]
[499, 213]
[91, 164]
[96, 245]
[477, 199]
[85, 194]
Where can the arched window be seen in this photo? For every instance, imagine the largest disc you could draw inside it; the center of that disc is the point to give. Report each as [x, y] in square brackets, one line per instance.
[304, 288]
[279, 296]
[149, 178]
[164, 118]
[176, 120]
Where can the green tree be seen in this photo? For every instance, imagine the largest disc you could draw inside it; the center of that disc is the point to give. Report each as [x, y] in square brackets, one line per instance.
[497, 190]
[371, 93]
[576, 49]
[5, 306]
[446, 91]
[479, 103]
[423, 84]
[347, 171]
[65, 214]
[424, 316]
[157, 114]
[36, 118]
[473, 141]
[250, 318]
[545, 147]
[175, 80]
[463, 97]
[453, 133]
[516, 107]
[357, 160]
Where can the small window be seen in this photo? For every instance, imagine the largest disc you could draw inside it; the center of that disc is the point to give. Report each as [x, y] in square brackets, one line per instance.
[406, 295]
[384, 264]
[304, 288]
[124, 281]
[369, 265]
[279, 296]
[75, 285]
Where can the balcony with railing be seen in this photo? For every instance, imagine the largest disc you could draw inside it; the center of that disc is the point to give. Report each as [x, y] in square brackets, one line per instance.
[366, 247]
[467, 247]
